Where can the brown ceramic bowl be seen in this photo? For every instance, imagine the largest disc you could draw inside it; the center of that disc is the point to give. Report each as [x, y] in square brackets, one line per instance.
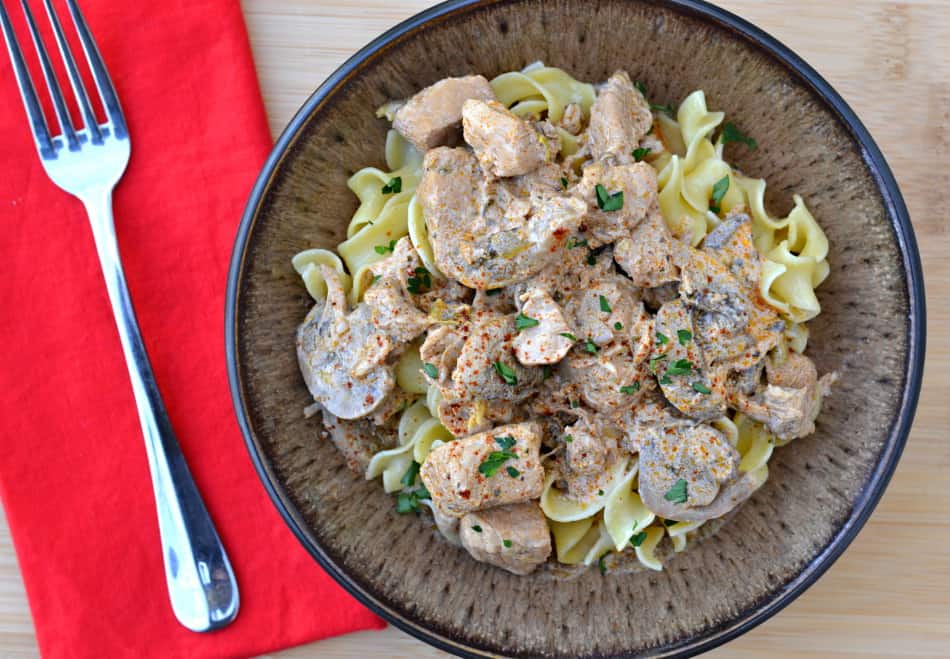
[821, 489]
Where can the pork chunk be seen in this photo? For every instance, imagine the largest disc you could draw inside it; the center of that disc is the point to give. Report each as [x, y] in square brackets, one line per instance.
[514, 538]
[648, 255]
[619, 118]
[485, 470]
[637, 182]
[431, 117]
[545, 342]
[505, 144]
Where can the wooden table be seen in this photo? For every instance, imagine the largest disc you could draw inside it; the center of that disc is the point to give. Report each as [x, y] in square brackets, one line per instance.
[889, 595]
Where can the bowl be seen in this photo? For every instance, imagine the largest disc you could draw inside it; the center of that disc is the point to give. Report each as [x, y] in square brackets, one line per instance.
[821, 488]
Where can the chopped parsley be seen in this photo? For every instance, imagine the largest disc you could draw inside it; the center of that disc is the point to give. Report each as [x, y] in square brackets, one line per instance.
[591, 259]
[654, 361]
[524, 322]
[408, 502]
[604, 304]
[601, 565]
[573, 242]
[420, 279]
[394, 185]
[564, 182]
[490, 465]
[607, 201]
[506, 373]
[575, 403]
[507, 543]
[640, 153]
[701, 388]
[430, 370]
[630, 388]
[662, 339]
[376, 278]
[590, 347]
[666, 379]
[600, 493]
[476, 528]
[680, 367]
[568, 438]
[409, 478]
[732, 134]
[637, 538]
[670, 522]
[640, 87]
[568, 336]
[668, 109]
[493, 291]
[382, 249]
[505, 442]
[719, 190]
[514, 473]
[684, 336]
[618, 326]
[677, 493]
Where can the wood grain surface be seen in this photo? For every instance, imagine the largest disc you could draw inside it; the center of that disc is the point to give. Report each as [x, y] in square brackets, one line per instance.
[889, 595]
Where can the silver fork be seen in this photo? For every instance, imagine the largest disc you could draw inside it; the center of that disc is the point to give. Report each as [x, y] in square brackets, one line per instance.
[87, 163]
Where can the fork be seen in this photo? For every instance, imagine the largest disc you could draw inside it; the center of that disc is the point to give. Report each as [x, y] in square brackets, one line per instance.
[87, 163]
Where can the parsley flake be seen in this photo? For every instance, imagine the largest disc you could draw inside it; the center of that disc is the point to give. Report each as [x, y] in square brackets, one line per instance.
[568, 438]
[637, 538]
[490, 465]
[601, 565]
[668, 109]
[600, 493]
[575, 403]
[376, 279]
[394, 185]
[523, 322]
[476, 528]
[640, 87]
[670, 522]
[677, 493]
[666, 379]
[590, 347]
[701, 388]
[680, 367]
[630, 388]
[568, 336]
[573, 242]
[654, 362]
[607, 201]
[662, 339]
[719, 190]
[618, 326]
[564, 182]
[640, 153]
[514, 473]
[604, 304]
[732, 134]
[382, 249]
[684, 336]
[408, 502]
[430, 370]
[420, 279]
[506, 373]
[409, 478]
[493, 291]
[591, 259]
[507, 543]
[505, 442]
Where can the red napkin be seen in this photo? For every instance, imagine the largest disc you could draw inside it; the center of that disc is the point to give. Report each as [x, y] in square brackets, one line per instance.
[73, 472]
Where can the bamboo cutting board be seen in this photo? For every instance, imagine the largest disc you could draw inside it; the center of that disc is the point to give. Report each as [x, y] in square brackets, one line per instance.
[889, 595]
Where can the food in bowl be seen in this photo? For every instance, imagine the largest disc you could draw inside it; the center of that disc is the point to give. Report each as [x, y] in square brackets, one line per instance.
[561, 313]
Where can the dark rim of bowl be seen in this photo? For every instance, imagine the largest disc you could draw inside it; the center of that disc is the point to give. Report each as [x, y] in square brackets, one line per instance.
[916, 327]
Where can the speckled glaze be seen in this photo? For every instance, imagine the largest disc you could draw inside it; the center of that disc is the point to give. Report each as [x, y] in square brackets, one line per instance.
[821, 488]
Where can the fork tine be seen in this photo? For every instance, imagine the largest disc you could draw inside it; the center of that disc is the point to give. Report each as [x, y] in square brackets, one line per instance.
[106, 91]
[56, 94]
[44, 143]
[89, 117]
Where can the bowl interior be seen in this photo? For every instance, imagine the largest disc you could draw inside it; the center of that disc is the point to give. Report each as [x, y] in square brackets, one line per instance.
[398, 562]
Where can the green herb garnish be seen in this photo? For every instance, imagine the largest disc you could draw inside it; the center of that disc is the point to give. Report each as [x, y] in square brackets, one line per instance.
[604, 304]
[677, 493]
[409, 478]
[573, 242]
[637, 538]
[641, 152]
[568, 438]
[493, 291]
[662, 339]
[514, 473]
[684, 336]
[524, 322]
[668, 109]
[701, 388]
[630, 388]
[654, 361]
[666, 379]
[476, 528]
[382, 249]
[507, 543]
[732, 134]
[618, 326]
[607, 201]
[591, 259]
[546, 372]
[420, 279]
[670, 522]
[590, 347]
[490, 465]
[506, 373]
[564, 182]
[394, 185]
[601, 565]
[568, 336]
[680, 367]
[640, 87]
[430, 370]
[719, 190]
[505, 442]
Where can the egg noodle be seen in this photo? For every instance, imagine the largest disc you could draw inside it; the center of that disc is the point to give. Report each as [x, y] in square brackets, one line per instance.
[691, 172]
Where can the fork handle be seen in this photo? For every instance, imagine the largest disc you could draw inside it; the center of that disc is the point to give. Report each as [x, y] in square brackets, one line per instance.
[201, 583]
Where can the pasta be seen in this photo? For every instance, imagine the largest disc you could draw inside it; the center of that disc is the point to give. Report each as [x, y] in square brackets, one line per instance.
[596, 484]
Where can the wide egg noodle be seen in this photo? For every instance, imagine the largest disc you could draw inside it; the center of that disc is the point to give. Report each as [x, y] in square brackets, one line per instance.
[537, 89]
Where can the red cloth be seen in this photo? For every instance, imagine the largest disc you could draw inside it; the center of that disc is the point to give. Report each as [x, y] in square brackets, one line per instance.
[73, 472]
